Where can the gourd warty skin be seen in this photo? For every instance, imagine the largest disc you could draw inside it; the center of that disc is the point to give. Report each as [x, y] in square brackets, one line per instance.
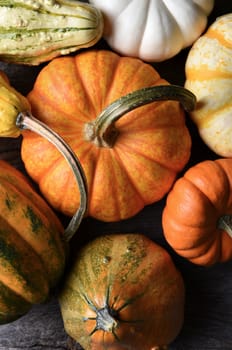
[32, 32]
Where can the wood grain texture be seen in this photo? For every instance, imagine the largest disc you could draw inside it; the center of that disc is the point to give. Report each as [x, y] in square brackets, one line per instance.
[208, 312]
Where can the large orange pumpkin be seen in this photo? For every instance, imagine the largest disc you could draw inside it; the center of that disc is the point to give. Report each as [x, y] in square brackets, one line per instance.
[128, 164]
[197, 218]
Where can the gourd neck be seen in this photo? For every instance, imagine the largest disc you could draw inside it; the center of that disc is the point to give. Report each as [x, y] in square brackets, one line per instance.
[103, 132]
[25, 120]
[225, 224]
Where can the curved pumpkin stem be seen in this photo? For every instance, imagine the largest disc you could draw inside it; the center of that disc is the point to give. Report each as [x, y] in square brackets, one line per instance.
[225, 223]
[102, 132]
[25, 120]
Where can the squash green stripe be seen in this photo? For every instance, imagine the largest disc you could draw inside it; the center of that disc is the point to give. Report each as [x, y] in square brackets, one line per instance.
[52, 257]
[12, 305]
[8, 251]
[15, 257]
[35, 221]
[46, 30]
[9, 203]
[13, 33]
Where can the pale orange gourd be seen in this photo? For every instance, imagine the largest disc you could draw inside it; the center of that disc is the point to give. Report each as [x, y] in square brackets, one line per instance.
[209, 77]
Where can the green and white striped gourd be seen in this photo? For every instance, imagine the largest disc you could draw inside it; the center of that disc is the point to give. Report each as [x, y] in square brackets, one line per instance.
[35, 31]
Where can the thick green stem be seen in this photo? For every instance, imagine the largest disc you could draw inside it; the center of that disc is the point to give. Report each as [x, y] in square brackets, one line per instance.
[225, 224]
[26, 121]
[102, 132]
[105, 320]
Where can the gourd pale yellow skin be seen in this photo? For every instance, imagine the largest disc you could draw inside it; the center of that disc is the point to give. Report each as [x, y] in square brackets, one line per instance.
[11, 104]
[131, 165]
[153, 30]
[35, 31]
[122, 292]
[209, 77]
[197, 218]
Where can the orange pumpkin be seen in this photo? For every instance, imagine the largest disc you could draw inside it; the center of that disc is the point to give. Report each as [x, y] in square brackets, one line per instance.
[197, 218]
[130, 161]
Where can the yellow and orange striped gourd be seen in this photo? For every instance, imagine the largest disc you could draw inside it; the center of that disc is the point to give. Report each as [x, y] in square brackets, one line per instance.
[209, 77]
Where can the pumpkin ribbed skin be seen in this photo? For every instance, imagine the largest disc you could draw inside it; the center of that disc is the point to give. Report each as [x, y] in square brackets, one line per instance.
[122, 292]
[196, 207]
[153, 143]
[32, 254]
[209, 76]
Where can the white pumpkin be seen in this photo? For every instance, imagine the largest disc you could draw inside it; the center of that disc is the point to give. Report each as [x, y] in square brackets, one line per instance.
[209, 76]
[153, 30]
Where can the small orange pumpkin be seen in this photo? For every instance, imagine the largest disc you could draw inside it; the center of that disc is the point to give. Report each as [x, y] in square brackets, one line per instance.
[130, 162]
[197, 218]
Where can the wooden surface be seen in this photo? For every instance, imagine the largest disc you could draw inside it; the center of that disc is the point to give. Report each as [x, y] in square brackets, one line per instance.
[208, 315]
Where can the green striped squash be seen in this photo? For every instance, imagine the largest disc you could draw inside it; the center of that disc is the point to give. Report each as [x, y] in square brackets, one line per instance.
[34, 31]
[32, 253]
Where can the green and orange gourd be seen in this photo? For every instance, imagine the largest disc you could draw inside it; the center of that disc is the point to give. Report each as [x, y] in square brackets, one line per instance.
[121, 292]
[33, 242]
